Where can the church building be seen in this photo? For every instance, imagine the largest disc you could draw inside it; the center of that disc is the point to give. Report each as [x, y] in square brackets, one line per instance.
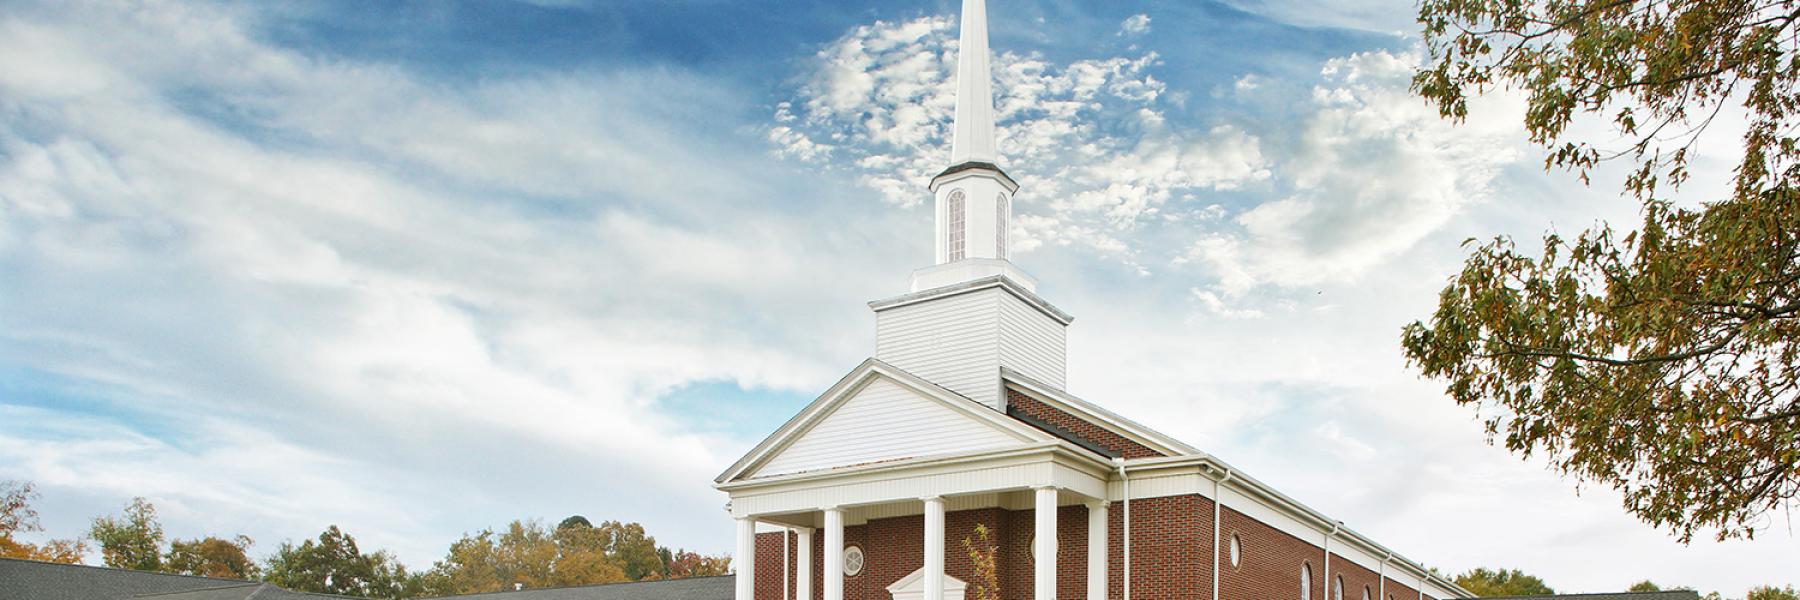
[962, 419]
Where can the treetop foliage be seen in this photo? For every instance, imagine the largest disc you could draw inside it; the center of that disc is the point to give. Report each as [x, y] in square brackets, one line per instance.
[1662, 361]
[1486, 582]
[17, 516]
[525, 553]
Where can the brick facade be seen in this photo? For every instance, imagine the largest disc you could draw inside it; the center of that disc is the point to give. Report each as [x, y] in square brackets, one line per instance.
[1171, 555]
[1081, 428]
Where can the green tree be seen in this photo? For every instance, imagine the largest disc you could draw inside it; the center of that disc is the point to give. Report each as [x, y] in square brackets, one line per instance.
[1663, 361]
[1502, 582]
[17, 516]
[1769, 592]
[131, 541]
[1644, 586]
[212, 557]
[629, 547]
[334, 565]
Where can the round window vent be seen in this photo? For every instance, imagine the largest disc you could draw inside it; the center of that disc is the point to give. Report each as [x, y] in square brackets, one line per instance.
[853, 561]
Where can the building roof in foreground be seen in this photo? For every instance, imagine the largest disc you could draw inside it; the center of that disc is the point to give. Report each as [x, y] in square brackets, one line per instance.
[32, 580]
[1661, 595]
[692, 588]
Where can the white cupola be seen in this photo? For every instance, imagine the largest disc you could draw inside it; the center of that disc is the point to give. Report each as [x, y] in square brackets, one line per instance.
[973, 312]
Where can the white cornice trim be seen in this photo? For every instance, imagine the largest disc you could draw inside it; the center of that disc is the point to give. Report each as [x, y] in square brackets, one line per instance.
[855, 380]
[1067, 402]
[999, 281]
[1054, 449]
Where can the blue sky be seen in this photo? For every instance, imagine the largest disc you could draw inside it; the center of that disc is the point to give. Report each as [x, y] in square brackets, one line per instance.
[418, 269]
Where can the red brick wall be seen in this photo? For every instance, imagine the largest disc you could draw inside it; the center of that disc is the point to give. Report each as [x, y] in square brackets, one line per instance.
[1401, 591]
[1081, 428]
[1171, 549]
[1269, 564]
[1355, 577]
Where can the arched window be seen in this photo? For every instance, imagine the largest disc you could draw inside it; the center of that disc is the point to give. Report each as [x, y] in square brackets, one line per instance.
[1337, 589]
[956, 225]
[1366, 595]
[1236, 550]
[1306, 581]
[1000, 217]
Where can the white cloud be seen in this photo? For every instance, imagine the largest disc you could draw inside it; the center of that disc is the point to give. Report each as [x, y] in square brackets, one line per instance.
[1376, 171]
[882, 100]
[1137, 24]
[408, 279]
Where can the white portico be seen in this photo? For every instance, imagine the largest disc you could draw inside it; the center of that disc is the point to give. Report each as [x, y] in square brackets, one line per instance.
[918, 449]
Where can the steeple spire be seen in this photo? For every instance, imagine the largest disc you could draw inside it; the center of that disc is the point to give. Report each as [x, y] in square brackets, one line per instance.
[973, 139]
[973, 196]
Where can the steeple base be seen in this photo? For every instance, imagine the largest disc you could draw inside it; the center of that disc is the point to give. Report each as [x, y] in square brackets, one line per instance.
[970, 269]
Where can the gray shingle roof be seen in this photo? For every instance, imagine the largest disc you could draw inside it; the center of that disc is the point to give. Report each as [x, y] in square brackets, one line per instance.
[1662, 595]
[693, 588]
[31, 580]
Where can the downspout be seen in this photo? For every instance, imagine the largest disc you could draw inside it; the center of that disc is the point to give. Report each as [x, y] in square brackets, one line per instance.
[1382, 590]
[787, 572]
[1218, 507]
[1328, 583]
[1126, 481]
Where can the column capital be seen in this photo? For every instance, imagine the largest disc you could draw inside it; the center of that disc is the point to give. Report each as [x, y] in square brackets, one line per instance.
[1097, 504]
[931, 498]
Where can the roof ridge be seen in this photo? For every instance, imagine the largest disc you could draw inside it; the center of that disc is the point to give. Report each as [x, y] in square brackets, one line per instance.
[217, 587]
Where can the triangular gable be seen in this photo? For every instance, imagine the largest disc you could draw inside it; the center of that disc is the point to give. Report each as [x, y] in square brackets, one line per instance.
[879, 413]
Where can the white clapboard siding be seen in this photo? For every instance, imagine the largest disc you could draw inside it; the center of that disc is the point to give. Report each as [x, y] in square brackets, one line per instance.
[1031, 342]
[951, 341]
[961, 341]
[883, 422]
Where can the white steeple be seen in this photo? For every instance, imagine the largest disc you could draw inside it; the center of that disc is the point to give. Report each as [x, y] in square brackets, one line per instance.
[973, 139]
[973, 315]
[973, 196]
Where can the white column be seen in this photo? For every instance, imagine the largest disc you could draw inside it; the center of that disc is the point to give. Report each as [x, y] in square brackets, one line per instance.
[1044, 576]
[746, 559]
[834, 554]
[1096, 551]
[803, 562]
[934, 548]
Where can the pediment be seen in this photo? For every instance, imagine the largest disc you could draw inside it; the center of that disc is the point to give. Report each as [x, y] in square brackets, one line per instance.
[880, 414]
[912, 587]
